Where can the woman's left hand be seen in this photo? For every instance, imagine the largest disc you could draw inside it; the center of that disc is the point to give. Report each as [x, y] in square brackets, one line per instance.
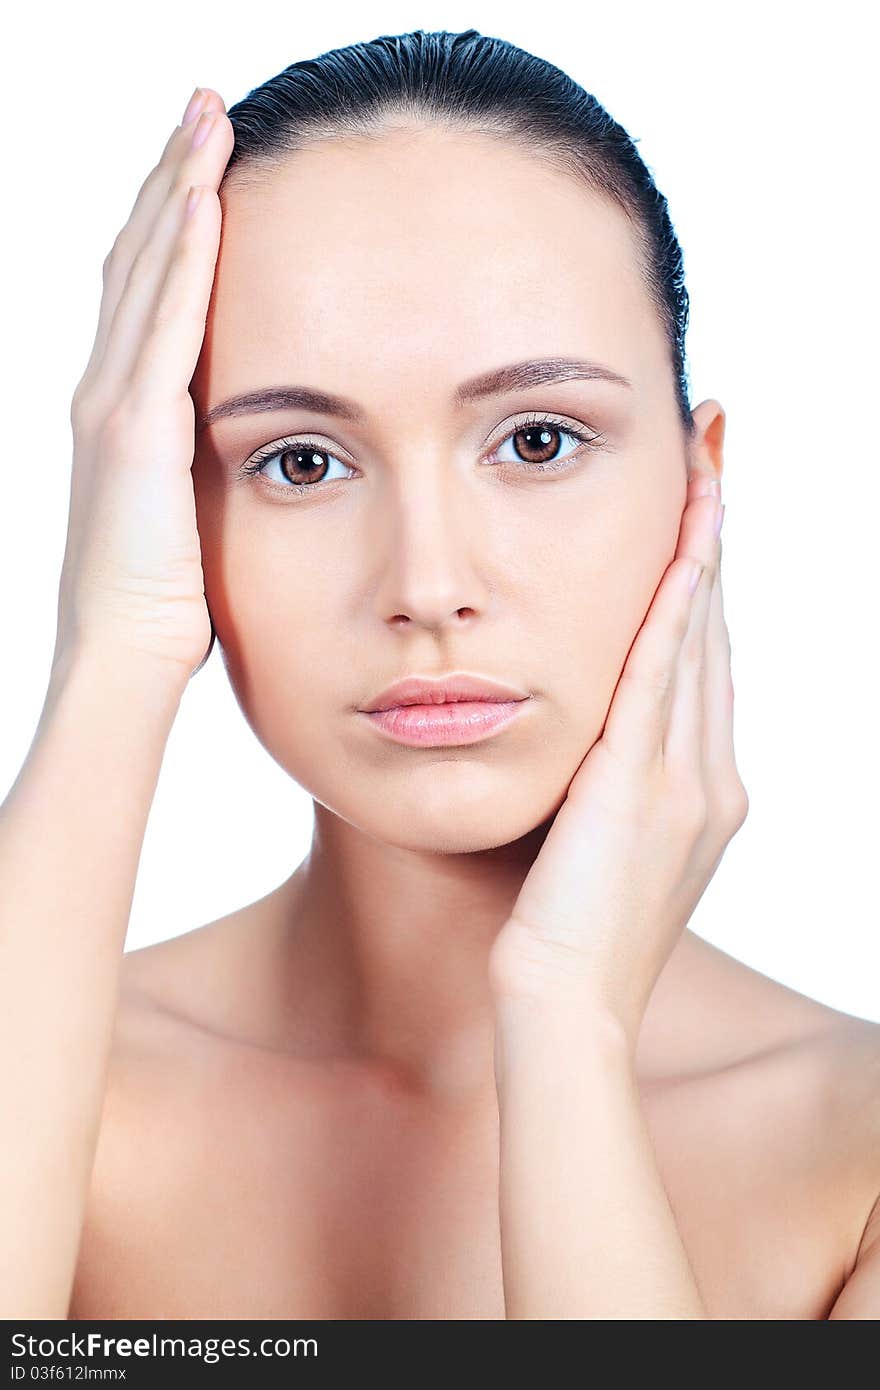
[649, 812]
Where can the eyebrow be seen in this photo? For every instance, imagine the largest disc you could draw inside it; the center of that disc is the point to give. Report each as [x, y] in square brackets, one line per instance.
[517, 376]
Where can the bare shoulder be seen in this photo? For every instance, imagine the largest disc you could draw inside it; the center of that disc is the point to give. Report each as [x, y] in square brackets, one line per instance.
[167, 1102]
[175, 1026]
[161, 1050]
[762, 1027]
[802, 1078]
[837, 1063]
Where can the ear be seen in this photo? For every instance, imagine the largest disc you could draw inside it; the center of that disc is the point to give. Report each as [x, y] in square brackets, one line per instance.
[706, 449]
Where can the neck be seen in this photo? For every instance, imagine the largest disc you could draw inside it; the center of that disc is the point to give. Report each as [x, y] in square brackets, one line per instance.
[389, 947]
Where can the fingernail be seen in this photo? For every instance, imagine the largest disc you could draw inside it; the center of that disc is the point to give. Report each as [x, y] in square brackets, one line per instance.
[202, 129]
[708, 487]
[194, 106]
[719, 520]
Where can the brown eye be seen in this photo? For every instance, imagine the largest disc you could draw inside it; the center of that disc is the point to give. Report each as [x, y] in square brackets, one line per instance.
[303, 465]
[537, 443]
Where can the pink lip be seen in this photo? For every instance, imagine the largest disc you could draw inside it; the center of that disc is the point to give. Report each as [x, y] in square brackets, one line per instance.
[436, 690]
[451, 722]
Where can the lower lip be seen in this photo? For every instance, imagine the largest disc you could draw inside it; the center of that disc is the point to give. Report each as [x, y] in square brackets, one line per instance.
[455, 721]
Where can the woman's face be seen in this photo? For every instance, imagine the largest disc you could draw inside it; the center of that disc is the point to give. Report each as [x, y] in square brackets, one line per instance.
[390, 272]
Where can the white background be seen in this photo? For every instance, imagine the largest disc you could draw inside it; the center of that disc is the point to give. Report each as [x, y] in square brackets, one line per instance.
[759, 124]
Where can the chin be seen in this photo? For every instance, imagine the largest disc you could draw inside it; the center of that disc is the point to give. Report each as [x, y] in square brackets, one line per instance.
[451, 822]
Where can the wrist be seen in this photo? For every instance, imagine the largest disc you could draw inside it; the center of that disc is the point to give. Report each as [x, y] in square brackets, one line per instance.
[543, 1013]
[538, 990]
[527, 966]
[552, 1046]
[147, 685]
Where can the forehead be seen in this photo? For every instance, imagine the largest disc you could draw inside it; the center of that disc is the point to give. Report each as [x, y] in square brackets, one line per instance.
[422, 249]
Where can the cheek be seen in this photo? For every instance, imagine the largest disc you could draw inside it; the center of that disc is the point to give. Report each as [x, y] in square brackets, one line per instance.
[278, 618]
[283, 629]
[281, 650]
[605, 590]
[569, 599]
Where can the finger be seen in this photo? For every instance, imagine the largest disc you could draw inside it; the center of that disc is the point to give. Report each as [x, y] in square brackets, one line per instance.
[142, 315]
[697, 512]
[636, 724]
[170, 349]
[683, 746]
[637, 719]
[719, 757]
[151, 197]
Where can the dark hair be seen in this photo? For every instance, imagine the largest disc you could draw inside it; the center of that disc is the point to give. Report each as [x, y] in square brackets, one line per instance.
[482, 84]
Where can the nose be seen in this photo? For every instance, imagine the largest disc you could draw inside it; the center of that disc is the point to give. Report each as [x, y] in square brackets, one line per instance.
[429, 566]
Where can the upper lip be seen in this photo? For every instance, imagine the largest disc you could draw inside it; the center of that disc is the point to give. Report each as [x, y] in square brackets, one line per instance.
[436, 690]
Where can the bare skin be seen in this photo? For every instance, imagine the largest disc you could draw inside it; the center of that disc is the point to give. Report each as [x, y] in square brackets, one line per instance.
[301, 1117]
[253, 1162]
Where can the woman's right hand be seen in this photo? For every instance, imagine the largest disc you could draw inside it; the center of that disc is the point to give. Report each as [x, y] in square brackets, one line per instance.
[131, 584]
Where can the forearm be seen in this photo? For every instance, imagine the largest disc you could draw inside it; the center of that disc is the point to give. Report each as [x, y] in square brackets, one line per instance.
[586, 1226]
[71, 833]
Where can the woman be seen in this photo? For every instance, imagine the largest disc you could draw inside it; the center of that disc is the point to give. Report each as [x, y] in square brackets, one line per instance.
[421, 342]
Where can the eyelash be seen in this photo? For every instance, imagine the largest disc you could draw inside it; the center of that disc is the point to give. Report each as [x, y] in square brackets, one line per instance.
[265, 456]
